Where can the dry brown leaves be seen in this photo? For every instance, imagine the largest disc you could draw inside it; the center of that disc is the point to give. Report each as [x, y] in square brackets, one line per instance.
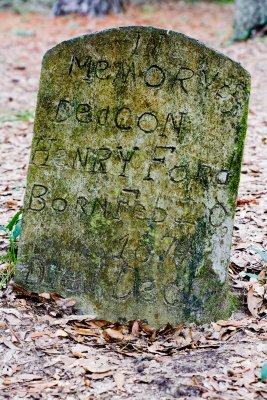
[46, 348]
[138, 335]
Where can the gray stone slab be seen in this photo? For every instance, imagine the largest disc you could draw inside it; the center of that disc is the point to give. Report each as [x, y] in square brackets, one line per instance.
[133, 176]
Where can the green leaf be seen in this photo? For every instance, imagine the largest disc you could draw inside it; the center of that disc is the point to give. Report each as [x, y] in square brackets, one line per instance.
[17, 230]
[14, 220]
[2, 228]
[6, 277]
[254, 276]
[25, 116]
[261, 252]
[264, 372]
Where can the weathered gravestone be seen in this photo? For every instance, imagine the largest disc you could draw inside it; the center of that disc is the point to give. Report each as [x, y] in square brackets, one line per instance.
[133, 176]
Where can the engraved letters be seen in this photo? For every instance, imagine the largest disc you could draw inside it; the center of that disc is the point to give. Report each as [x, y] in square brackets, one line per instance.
[133, 175]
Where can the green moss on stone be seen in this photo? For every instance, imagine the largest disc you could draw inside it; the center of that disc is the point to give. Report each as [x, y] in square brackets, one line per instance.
[134, 171]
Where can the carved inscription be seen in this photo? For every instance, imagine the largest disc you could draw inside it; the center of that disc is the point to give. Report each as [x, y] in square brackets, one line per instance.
[120, 161]
[133, 175]
[122, 118]
[153, 76]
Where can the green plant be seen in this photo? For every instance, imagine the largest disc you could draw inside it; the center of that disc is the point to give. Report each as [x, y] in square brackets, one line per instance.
[263, 256]
[249, 275]
[261, 252]
[264, 372]
[12, 231]
[27, 116]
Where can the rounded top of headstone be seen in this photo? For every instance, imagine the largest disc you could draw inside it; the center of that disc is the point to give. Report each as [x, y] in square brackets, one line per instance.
[126, 34]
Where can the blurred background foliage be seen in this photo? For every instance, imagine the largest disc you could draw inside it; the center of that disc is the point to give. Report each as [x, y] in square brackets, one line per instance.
[250, 16]
[22, 6]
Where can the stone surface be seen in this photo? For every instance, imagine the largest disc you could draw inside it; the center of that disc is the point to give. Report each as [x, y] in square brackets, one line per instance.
[133, 176]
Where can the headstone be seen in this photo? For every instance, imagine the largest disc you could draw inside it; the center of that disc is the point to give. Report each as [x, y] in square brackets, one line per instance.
[133, 176]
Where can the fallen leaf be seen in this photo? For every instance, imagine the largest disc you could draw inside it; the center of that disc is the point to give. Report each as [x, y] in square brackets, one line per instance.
[9, 344]
[22, 378]
[112, 335]
[11, 311]
[135, 329]
[146, 328]
[28, 377]
[11, 203]
[98, 323]
[80, 348]
[45, 295]
[61, 333]
[93, 366]
[86, 332]
[102, 375]
[254, 302]
[249, 377]
[243, 201]
[66, 303]
[119, 379]
[231, 322]
[13, 320]
[36, 335]
[38, 387]
[71, 318]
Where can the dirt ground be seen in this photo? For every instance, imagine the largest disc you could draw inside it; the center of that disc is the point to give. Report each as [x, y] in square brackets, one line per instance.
[48, 352]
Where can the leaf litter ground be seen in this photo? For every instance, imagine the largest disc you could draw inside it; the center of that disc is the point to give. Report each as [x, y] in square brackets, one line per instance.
[48, 351]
